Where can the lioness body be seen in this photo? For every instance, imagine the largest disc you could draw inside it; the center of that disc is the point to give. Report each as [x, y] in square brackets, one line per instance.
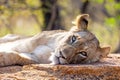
[37, 49]
[57, 47]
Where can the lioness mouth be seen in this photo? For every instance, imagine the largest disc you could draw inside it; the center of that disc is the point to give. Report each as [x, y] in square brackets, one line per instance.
[61, 55]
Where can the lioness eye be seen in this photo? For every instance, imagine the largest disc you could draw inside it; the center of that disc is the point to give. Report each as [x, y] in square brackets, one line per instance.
[73, 39]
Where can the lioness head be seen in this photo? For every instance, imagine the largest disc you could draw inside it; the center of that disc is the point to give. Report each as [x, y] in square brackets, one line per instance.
[79, 45]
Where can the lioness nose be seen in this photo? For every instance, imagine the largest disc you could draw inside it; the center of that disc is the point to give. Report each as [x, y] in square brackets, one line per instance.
[67, 51]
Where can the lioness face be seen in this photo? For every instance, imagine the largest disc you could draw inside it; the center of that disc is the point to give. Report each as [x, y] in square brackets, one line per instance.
[79, 45]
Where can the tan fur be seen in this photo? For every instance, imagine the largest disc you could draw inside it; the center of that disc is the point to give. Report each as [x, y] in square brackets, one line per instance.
[56, 47]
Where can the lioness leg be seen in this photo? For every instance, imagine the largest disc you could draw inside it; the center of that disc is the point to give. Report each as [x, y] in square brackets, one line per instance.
[11, 58]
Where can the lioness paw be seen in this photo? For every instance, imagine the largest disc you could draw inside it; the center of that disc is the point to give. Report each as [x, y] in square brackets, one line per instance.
[57, 60]
[53, 59]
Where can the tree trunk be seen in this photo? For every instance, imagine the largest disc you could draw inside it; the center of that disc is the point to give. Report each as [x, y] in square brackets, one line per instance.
[84, 7]
[51, 15]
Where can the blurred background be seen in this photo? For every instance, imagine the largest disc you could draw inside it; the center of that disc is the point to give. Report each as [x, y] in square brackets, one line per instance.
[28, 17]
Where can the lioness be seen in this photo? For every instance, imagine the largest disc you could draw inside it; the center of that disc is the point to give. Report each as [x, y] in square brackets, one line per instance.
[56, 47]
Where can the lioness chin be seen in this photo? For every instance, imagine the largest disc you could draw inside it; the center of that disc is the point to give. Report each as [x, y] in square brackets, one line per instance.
[75, 46]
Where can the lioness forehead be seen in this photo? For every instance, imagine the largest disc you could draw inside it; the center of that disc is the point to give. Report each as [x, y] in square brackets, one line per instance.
[80, 34]
[83, 34]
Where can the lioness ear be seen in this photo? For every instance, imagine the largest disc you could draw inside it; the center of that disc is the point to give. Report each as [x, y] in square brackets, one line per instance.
[105, 51]
[81, 21]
